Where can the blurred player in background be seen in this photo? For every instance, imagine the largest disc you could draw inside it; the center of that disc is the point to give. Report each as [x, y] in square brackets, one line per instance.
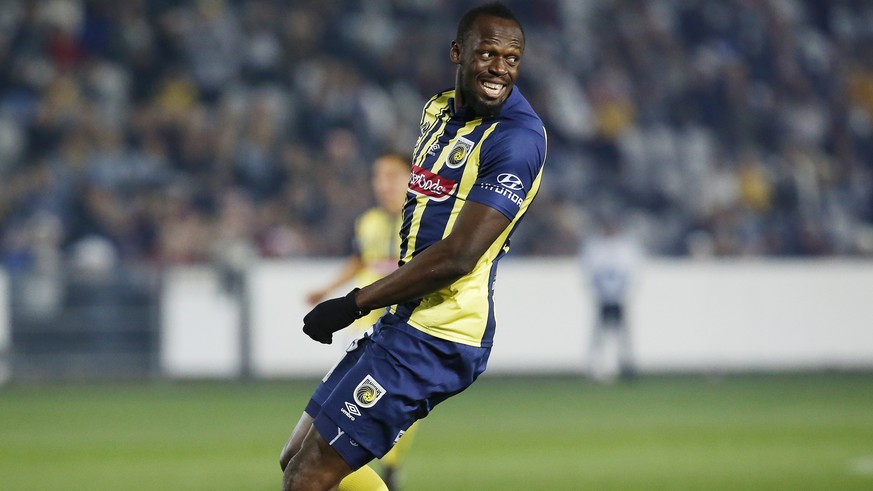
[476, 168]
[376, 243]
[610, 258]
[375, 252]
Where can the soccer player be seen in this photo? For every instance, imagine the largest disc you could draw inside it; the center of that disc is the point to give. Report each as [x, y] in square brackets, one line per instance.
[476, 168]
[376, 251]
[610, 259]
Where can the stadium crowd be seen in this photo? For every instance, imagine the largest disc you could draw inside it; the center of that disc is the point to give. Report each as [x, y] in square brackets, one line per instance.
[166, 132]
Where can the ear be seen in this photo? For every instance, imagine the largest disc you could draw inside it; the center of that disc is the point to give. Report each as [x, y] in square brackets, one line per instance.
[455, 53]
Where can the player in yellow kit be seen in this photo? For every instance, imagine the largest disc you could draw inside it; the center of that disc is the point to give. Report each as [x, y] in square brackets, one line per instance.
[375, 252]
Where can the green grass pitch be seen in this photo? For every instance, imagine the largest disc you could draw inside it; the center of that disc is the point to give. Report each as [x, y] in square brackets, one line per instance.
[753, 432]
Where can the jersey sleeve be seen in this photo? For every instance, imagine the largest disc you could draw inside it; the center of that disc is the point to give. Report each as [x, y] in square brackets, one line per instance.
[509, 164]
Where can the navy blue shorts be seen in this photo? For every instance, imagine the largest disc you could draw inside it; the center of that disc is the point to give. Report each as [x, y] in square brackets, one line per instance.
[386, 382]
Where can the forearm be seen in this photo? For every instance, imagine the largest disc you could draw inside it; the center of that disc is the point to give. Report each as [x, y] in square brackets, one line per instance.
[436, 267]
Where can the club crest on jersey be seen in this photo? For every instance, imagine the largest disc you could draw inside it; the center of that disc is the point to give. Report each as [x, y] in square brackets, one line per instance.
[435, 187]
[459, 153]
[368, 392]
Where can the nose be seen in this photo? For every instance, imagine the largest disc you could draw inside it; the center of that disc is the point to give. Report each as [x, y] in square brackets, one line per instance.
[498, 66]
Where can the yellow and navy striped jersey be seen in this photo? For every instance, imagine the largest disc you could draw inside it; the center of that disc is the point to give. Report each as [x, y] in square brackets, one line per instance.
[377, 243]
[495, 161]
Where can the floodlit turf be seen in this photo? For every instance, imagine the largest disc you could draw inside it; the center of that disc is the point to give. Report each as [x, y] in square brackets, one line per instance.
[773, 432]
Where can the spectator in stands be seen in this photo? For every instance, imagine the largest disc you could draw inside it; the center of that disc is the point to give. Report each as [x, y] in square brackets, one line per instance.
[189, 101]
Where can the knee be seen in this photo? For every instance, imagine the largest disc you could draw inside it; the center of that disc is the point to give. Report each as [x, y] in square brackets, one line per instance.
[288, 473]
[301, 472]
[313, 466]
[287, 452]
[295, 442]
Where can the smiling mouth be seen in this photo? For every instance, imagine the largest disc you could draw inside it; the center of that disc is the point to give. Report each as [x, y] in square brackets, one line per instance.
[493, 89]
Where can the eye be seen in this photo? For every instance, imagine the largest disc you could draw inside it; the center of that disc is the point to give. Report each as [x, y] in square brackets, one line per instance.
[512, 60]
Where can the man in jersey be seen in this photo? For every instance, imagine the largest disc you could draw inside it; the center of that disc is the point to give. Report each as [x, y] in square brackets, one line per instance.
[477, 166]
[375, 253]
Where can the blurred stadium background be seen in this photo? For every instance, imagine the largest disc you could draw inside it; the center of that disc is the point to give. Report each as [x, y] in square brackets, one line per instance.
[175, 175]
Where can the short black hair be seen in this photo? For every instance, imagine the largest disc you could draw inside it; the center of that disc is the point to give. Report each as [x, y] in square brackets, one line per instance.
[494, 9]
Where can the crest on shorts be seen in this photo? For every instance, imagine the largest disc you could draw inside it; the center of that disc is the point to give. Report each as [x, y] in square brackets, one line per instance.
[368, 392]
[459, 153]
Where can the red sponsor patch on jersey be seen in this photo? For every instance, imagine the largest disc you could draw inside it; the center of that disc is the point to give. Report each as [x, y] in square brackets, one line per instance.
[433, 186]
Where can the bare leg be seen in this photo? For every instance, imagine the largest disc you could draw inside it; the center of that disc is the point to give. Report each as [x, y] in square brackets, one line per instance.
[315, 467]
[295, 441]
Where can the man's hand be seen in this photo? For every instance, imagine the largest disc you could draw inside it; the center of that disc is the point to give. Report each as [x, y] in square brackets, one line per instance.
[330, 316]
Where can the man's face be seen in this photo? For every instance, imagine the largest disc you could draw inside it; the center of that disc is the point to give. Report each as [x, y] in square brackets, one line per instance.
[389, 179]
[488, 59]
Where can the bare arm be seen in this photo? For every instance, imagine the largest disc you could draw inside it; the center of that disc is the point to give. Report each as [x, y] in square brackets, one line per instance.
[441, 264]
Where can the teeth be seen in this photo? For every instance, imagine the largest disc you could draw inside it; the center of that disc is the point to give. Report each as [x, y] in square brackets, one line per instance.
[492, 89]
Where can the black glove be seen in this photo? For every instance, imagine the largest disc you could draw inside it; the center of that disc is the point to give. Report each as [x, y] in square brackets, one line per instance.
[330, 316]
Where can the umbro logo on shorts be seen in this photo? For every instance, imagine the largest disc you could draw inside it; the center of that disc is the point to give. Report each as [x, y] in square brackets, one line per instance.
[351, 411]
